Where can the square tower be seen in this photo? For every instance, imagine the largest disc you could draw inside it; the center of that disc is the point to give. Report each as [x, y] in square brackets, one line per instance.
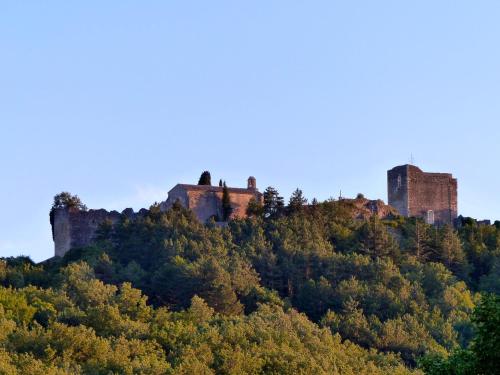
[431, 196]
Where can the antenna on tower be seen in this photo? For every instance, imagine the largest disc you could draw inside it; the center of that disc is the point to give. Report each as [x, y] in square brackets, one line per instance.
[412, 160]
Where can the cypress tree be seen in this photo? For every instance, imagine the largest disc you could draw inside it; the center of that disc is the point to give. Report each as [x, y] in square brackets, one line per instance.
[226, 203]
[205, 178]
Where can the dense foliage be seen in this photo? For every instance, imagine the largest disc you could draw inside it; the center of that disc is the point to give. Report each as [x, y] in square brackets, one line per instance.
[67, 200]
[292, 289]
[483, 354]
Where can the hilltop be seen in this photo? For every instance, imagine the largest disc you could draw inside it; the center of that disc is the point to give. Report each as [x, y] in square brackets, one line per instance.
[320, 287]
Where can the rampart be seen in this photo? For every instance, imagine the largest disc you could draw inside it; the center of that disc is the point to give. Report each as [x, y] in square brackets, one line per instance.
[73, 228]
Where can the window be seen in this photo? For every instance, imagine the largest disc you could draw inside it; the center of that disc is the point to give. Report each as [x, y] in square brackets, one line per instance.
[399, 182]
[429, 217]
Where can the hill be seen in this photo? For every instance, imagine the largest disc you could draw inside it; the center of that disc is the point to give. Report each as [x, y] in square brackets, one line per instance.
[298, 289]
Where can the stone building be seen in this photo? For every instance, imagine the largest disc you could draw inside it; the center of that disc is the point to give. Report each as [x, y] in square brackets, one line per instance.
[72, 227]
[206, 200]
[431, 196]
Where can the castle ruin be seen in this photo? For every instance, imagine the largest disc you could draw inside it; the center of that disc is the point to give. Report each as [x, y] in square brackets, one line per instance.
[72, 227]
[431, 196]
[411, 192]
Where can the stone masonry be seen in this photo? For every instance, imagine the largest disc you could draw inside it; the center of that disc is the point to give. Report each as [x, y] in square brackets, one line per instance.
[206, 201]
[72, 228]
[431, 196]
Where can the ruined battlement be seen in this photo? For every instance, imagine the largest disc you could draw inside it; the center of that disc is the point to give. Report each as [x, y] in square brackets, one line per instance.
[72, 227]
[412, 192]
[431, 196]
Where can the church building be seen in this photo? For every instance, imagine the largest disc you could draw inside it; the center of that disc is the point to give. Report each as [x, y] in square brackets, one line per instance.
[206, 200]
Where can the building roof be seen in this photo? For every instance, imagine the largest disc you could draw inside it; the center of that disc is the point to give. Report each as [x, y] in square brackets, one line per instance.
[215, 189]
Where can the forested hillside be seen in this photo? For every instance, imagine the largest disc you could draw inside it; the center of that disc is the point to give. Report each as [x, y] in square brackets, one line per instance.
[294, 289]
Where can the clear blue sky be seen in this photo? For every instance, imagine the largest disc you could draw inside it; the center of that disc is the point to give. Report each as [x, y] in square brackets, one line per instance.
[117, 101]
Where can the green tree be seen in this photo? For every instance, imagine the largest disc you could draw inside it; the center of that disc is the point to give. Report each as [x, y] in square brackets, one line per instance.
[273, 202]
[67, 200]
[205, 179]
[448, 249]
[227, 209]
[417, 239]
[375, 240]
[254, 208]
[483, 355]
[297, 201]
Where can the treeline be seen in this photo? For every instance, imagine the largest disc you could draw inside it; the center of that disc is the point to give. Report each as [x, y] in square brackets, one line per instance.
[294, 288]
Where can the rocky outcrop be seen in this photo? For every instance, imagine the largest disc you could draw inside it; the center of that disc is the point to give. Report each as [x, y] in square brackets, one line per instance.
[363, 208]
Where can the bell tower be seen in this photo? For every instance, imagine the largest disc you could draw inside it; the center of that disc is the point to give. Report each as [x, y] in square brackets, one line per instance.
[252, 183]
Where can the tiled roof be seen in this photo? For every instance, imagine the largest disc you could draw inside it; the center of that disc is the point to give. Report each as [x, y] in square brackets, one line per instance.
[216, 189]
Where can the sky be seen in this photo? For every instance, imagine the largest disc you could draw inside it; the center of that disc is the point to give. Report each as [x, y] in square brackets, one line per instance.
[117, 101]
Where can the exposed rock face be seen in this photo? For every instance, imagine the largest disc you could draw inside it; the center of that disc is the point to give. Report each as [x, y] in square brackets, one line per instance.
[431, 196]
[365, 208]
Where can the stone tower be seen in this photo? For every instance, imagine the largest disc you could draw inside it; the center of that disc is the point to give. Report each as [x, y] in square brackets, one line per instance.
[431, 196]
[252, 183]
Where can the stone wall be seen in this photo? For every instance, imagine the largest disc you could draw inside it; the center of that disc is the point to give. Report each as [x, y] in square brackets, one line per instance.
[73, 228]
[206, 201]
[414, 193]
[397, 189]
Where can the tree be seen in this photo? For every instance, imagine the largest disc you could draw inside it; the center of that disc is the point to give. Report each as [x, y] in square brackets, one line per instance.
[375, 240]
[297, 201]
[448, 249]
[227, 210]
[418, 240]
[483, 354]
[273, 202]
[67, 200]
[486, 343]
[255, 208]
[205, 179]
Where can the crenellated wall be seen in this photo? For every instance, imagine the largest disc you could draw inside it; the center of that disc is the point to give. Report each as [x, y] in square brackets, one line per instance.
[73, 228]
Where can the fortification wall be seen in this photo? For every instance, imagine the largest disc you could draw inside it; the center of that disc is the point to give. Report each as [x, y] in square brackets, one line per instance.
[73, 228]
[414, 193]
[435, 192]
[397, 189]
